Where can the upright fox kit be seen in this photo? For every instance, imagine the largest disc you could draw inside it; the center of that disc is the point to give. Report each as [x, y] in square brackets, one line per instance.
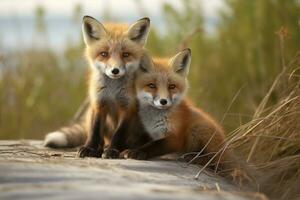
[172, 122]
[114, 53]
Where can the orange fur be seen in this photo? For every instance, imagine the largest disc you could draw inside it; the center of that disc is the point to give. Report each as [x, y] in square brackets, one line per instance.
[109, 48]
[115, 41]
[190, 128]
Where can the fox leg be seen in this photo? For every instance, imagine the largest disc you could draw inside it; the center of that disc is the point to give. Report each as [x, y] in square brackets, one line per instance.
[155, 148]
[118, 141]
[94, 144]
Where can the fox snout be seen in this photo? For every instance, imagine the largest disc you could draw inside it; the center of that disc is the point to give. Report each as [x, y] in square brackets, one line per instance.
[159, 100]
[112, 71]
[115, 72]
[162, 103]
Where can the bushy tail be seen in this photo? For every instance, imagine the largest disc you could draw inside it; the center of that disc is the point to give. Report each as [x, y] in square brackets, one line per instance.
[67, 137]
[72, 135]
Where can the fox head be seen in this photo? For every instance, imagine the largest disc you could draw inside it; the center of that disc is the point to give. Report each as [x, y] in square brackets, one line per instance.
[115, 49]
[164, 83]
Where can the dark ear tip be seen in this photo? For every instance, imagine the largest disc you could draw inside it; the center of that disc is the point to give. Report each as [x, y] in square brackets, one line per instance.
[187, 50]
[147, 19]
[87, 17]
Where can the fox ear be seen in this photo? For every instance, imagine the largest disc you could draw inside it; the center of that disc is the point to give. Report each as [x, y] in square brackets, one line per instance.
[138, 32]
[146, 63]
[92, 30]
[181, 62]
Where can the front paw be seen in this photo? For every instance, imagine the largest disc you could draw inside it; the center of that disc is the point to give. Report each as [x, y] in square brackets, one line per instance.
[111, 153]
[240, 177]
[89, 152]
[135, 154]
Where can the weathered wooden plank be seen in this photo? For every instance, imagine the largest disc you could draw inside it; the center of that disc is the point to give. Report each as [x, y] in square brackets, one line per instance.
[30, 171]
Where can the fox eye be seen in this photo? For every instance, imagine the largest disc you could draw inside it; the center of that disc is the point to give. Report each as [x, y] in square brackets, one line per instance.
[151, 85]
[104, 54]
[126, 55]
[172, 86]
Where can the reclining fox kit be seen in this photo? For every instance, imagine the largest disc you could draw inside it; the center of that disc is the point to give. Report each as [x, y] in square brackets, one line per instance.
[172, 122]
[138, 105]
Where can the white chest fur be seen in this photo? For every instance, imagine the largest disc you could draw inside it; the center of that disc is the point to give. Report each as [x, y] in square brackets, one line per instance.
[113, 90]
[155, 121]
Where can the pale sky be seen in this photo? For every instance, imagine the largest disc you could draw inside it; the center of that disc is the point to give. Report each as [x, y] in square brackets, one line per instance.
[117, 7]
[16, 27]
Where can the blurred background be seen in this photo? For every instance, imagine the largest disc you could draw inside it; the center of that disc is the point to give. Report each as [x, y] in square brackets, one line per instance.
[235, 50]
[245, 70]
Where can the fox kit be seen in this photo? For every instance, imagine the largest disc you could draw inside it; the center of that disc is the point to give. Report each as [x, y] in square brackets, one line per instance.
[114, 53]
[174, 124]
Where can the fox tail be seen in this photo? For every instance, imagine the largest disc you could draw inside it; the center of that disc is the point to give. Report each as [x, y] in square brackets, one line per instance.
[70, 136]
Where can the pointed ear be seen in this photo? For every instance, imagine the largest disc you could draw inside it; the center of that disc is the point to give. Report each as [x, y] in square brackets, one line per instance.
[92, 30]
[146, 63]
[138, 32]
[181, 62]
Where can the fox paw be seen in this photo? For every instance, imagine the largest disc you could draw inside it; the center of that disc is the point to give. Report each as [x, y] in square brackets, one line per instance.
[89, 152]
[240, 177]
[135, 154]
[111, 153]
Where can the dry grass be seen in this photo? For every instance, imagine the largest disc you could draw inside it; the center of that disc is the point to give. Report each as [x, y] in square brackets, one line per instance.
[270, 143]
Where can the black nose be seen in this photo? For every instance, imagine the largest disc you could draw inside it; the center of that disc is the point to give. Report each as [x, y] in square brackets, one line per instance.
[163, 102]
[115, 71]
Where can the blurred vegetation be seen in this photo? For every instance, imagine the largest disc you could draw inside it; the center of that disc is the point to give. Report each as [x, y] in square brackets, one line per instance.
[232, 76]
[241, 58]
[40, 89]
